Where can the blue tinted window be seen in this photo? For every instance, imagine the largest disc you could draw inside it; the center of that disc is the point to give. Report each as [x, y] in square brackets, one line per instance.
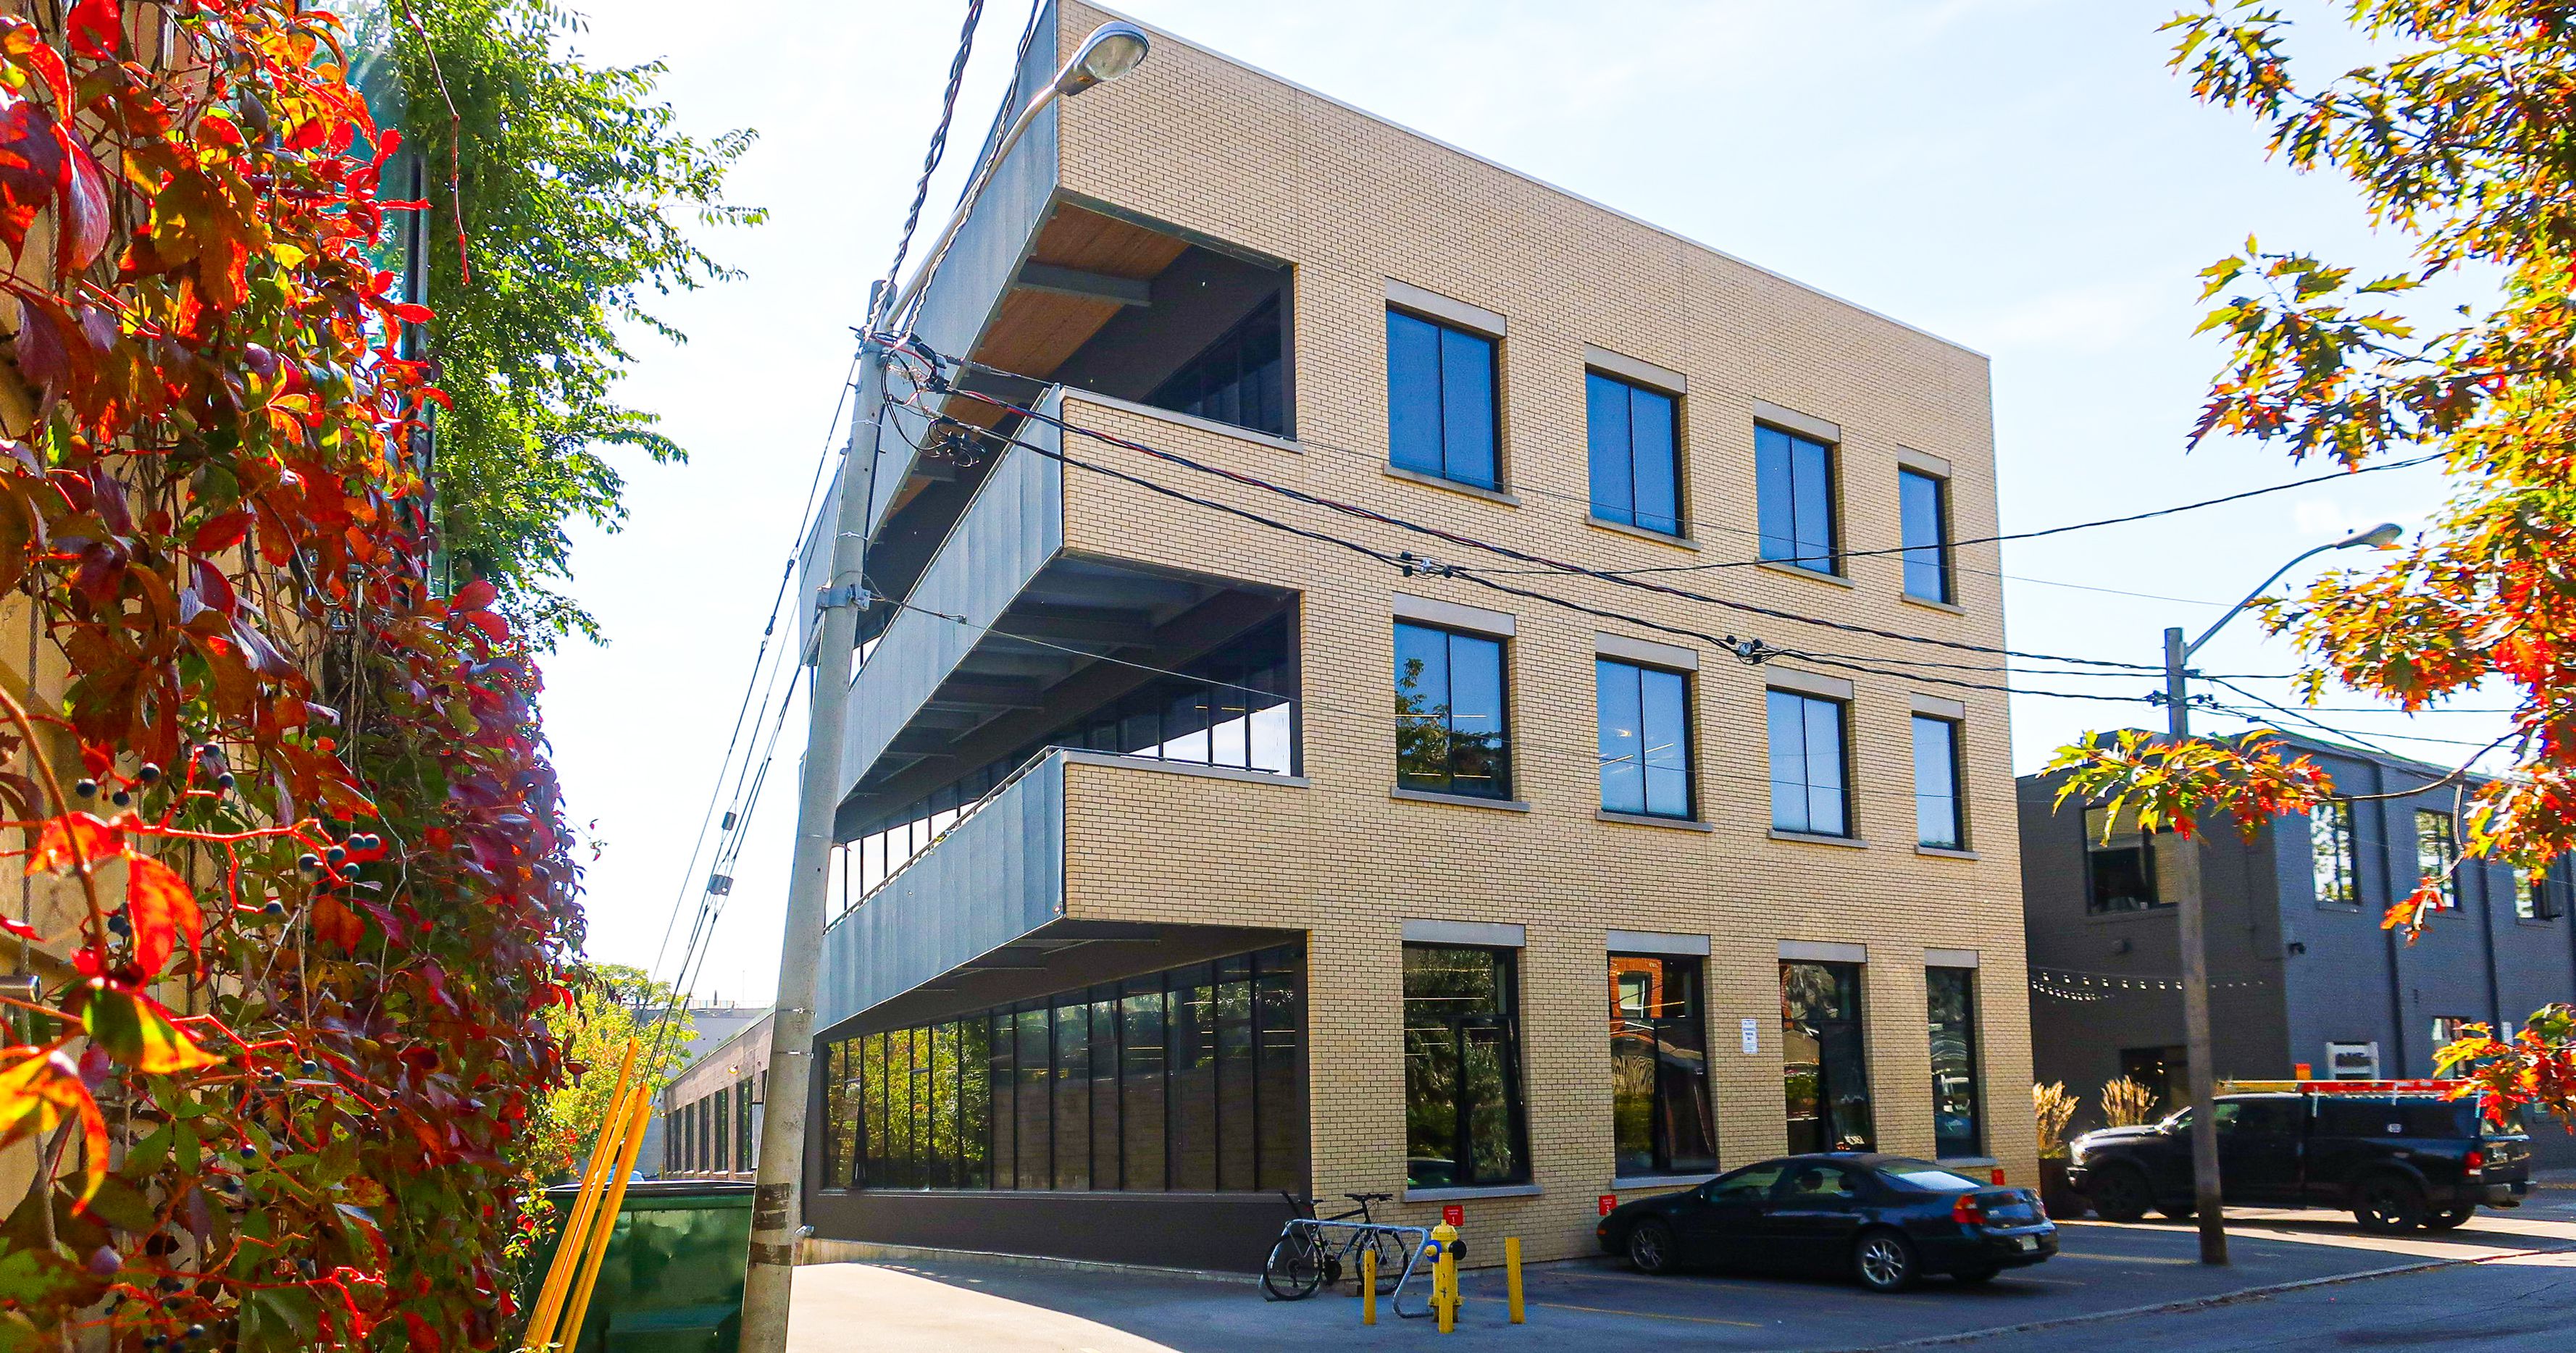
[1921, 506]
[1807, 765]
[1440, 400]
[1936, 782]
[1644, 740]
[1793, 486]
[1636, 475]
[1451, 732]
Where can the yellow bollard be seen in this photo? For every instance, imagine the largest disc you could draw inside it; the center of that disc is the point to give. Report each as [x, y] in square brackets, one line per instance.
[1368, 1286]
[1512, 1275]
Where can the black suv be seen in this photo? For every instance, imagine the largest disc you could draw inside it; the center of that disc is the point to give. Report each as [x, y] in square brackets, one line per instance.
[2398, 1161]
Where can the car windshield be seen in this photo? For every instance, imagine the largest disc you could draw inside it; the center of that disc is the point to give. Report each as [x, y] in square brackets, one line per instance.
[1927, 1177]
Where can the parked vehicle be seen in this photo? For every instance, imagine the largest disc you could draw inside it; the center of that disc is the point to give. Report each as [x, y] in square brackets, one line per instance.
[1886, 1220]
[2398, 1160]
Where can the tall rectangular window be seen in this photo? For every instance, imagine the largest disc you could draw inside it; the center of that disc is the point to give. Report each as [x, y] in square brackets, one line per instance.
[1140, 1081]
[1636, 458]
[2127, 869]
[1951, 999]
[1440, 400]
[1938, 821]
[1462, 1092]
[1793, 485]
[2541, 896]
[1451, 734]
[1923, 513]
[1824, 1064]
[2331, 854]
[1661, 1122]
[720, 1122]
[2437, 855]
[1807, 783]
[1193, 1080]
[1645, 739]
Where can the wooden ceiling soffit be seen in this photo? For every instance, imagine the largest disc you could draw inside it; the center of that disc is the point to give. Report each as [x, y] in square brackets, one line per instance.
[1084, 269]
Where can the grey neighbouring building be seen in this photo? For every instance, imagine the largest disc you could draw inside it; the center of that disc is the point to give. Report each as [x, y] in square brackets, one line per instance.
[2302, 972]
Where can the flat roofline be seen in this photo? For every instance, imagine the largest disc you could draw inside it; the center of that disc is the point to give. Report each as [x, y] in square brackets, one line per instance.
[1164, 34]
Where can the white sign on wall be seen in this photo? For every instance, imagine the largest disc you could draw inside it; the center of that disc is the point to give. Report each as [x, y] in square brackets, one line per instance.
[1752, 1037]
[2352, 1061]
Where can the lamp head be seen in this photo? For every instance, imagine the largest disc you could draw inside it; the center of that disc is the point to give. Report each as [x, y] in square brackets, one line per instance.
[2379, 537]
[1112, 50]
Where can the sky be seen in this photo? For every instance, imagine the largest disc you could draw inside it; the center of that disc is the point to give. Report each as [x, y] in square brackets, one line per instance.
[2025, 177]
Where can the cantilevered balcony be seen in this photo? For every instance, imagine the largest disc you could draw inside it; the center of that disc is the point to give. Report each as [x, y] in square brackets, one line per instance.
[986, 912]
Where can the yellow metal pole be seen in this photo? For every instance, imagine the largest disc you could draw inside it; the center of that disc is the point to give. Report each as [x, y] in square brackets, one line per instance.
[1512, 1275]
[1368, 1285]
[605, 1223]
[541, 1320]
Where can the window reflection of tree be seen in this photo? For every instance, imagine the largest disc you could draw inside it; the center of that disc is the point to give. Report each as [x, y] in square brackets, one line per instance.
[1462, 1111]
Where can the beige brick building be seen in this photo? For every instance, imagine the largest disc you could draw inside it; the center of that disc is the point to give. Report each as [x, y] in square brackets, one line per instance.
[1155, 875]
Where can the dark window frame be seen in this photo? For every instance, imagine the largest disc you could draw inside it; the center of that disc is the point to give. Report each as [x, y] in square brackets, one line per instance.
[1953, 731]
[2150, 845]
[1689, 1029]
[1505, 1025]
[1945, 574]
[2342, 828]
[1449, 465]
[1444, 717]
[1768, 541]
[1850, 982]
[1674, 523]
[2444, 853]
[1974, 1065]
[1842, 723]
[1636, 673]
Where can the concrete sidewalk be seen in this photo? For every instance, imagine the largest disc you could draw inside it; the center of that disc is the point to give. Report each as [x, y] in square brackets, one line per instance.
[2104, 1271]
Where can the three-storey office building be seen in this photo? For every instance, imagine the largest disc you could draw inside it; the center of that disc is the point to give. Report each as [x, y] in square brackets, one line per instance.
[1198, 846]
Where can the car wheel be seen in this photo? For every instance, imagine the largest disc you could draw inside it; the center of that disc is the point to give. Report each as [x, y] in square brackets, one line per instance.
[1885, 1261]
[2450, 1218]
[1977, 1275]
[2122, 1195]
[1650, 1246]
[2388, 1205]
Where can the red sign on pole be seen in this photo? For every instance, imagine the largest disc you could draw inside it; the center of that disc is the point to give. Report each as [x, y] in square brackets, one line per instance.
[1453, 1214]
[1608, 1201]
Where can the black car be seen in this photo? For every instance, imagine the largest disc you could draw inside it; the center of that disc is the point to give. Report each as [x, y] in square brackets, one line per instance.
[1886, 1220]
[2398, 1161]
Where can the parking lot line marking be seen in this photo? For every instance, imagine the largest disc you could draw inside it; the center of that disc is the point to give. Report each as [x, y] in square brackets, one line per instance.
[1650, 1315]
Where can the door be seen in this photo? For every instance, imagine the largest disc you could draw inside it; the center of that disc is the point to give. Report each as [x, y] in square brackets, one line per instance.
[1812, 1218]
[2258, 1150]
[1719, 1228]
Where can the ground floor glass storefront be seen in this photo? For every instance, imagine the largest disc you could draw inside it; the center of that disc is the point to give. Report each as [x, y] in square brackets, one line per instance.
[1824, 1062]
[1187, 1080]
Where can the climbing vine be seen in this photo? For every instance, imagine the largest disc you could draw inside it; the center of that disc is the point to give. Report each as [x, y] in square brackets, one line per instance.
[301, 891]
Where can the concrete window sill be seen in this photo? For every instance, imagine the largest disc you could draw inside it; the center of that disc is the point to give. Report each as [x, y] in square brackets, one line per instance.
[1650, 820]
[1947, 852]
[1412, 1195]
[1435, 481]
[1813, 839]
[1809, 574]
[1642, 533]
[1461, 800]
[1929, 604]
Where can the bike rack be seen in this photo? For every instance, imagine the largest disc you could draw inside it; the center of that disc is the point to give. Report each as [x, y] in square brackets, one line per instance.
[1419, 1236]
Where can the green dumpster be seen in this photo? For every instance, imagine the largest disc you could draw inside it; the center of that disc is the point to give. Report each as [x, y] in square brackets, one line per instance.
[672, 1279]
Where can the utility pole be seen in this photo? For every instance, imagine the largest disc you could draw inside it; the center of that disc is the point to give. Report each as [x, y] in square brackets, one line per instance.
[2191, 929]
[776, 1209]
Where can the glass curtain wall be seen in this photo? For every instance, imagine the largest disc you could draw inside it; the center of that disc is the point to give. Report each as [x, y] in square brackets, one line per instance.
[1824, 1062]
[1661, 1122]
[1188, 1080]
[1462, 1084]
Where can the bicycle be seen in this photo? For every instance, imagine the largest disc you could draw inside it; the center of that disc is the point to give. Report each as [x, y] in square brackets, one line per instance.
[1305, 1258]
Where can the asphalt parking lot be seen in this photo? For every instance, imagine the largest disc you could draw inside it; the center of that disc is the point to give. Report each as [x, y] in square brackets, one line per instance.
[2102, 1270]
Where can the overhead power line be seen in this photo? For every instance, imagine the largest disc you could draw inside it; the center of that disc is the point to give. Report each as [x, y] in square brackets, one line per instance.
[938, 140]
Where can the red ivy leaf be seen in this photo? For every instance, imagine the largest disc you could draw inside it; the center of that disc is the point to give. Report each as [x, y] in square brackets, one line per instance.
[161, 908]
[42, 1089]
[475, 596]
[97, 27]
[136, 1030]
[83, 232]
[220, 532]
[74, 837]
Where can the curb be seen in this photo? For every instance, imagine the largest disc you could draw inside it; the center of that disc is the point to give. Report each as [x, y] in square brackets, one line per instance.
[819, 1251]
[2193, 1303]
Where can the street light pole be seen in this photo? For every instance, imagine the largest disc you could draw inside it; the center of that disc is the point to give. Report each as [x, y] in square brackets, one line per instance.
[1110, 52]
[2191, 919]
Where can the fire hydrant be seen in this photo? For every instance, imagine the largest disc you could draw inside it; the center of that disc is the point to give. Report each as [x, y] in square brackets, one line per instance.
[1444, 1275]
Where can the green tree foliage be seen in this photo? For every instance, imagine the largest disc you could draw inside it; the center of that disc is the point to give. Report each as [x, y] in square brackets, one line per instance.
[616, 1006]
[575, 193]
[2458, 146]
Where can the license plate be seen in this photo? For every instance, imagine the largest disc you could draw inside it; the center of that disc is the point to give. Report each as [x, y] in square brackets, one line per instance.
[2030, 1242]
